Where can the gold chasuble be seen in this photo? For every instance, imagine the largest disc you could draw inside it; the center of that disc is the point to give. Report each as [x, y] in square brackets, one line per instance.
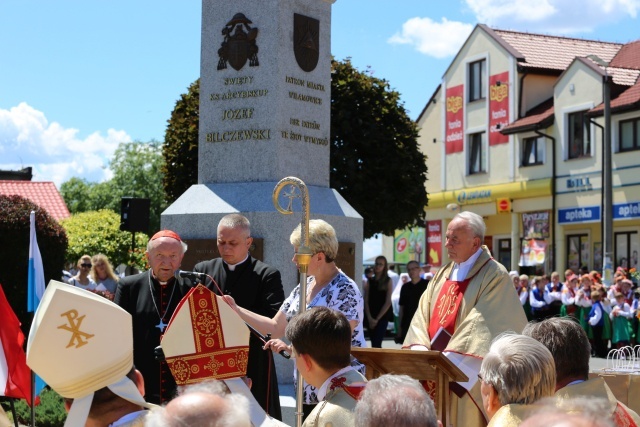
[337, 407]
[482, 309]
[510, 415]
[621, 415]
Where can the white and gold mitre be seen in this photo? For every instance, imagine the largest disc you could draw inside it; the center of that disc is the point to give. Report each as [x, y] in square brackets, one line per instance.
[79, 341]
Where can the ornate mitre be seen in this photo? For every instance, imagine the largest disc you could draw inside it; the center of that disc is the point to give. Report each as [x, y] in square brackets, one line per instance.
[205, 339]
[79, 343]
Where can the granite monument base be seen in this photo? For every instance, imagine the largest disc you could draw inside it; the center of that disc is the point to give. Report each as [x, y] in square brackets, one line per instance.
[195, 215]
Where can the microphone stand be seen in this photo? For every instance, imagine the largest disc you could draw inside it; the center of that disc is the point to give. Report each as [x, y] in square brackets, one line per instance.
[303, 256]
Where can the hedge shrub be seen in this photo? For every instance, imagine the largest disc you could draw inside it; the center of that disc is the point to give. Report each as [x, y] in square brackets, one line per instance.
[99, 232]
[14, 250]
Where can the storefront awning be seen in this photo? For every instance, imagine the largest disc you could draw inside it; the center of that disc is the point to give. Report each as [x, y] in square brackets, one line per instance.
[490, 193]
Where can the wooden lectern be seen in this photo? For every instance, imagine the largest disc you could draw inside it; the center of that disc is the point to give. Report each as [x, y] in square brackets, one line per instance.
[421, 365]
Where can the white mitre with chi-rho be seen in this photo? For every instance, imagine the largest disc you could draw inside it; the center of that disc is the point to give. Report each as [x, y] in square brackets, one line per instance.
[79, 343]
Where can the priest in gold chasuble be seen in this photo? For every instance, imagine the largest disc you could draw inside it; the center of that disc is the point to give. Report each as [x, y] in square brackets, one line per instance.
[468, 303]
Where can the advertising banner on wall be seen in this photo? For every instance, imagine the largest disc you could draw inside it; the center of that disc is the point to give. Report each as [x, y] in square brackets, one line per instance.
[535, 225]
[454, 118]
[498, 107]
[409, 245]
[434, 243]
[532, 253]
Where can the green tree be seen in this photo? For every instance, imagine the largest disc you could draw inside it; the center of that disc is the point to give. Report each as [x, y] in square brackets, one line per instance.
[99, 232]
[14, 251]
[75, 193]
[136, 168]
[180, 148]
[82, 196]
[137, 173]
[374, 159]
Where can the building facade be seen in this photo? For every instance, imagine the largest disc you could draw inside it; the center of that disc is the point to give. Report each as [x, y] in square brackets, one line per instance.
[514, 133]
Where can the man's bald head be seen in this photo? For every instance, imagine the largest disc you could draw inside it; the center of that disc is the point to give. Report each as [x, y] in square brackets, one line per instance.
[203, 406]
[564, 420]
[196, 409]
[575, 412]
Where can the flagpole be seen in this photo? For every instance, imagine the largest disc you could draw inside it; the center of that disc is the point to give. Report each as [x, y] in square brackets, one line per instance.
[36, 286]
[33, 398]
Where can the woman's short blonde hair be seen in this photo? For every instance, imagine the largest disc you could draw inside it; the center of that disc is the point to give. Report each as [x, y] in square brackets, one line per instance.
[322, 238]
[519, 368]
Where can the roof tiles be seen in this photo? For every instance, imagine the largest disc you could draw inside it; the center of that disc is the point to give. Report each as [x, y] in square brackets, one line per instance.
[43, 194]
[628, 56]
[533, 119]
[553, 52]
[627, 99]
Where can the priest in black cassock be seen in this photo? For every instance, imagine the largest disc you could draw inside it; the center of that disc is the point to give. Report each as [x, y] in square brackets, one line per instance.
[255, 286]
[151, 298]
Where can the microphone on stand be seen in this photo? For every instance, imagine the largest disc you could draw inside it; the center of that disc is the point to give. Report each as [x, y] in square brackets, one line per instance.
[189, 274]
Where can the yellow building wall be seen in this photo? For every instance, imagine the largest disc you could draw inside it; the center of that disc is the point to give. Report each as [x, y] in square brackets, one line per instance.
[431, 142]
[536, 90]
[586, 94]
[476, 114]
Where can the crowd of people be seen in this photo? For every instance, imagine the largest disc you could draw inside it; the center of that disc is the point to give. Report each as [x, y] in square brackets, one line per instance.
[517, 372]
[608, 314]
[93, 273]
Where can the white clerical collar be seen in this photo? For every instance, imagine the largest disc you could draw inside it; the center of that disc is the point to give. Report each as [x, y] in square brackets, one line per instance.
[158, 280]
[322, 391]
[461, 270]
[232, 267]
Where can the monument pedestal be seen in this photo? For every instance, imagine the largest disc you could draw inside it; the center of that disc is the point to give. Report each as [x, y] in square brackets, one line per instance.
[265, 101]
[195, 215]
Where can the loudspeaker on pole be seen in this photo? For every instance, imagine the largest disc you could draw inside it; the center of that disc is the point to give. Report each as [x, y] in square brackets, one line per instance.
[134, 214]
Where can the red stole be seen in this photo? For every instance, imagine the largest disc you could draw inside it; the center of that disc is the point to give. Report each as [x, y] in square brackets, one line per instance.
[448, 303]
[622, 417]
[353, 390]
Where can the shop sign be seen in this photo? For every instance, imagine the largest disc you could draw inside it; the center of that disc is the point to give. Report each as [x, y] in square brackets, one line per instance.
[535, 225]
[579, 183]
[579, 215]
[434, 243]
[409, 245]
[473, 196]
[626, 210]
[498, 107]
[532, 253]
[454, 120]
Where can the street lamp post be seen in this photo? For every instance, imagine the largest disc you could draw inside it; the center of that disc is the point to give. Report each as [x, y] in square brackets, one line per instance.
[607, 184]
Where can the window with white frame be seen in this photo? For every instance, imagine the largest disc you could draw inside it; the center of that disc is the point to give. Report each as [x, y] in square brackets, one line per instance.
[477, 153]
[533, 151]
[578, 138]
[477, 87]
[630, 135]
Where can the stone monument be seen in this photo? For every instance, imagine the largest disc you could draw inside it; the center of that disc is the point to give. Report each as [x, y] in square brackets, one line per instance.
[265, 82]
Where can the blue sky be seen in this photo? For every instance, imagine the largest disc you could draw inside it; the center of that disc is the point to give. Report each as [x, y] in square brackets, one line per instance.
[77, 77]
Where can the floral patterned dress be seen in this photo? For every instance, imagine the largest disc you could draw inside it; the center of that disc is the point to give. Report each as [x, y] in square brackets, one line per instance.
[341, 294]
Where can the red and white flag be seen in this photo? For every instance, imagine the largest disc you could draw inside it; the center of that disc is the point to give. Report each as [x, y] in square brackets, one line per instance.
[15, 376]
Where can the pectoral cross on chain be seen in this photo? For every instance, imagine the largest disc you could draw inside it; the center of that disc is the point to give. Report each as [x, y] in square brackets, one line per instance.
[161, 325]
